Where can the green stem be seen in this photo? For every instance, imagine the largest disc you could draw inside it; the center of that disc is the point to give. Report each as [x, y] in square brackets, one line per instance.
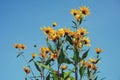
[28, 66]
[76, 73]
[58, 72]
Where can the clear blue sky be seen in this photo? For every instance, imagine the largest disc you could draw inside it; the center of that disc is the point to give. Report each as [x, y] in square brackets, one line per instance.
[20, 22]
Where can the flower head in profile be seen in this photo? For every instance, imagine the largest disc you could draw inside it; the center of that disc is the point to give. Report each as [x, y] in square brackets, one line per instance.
[44, 49]
[20, 46]
[64, 67]
[92, 60]
[94, 67]
[33, 55]
[98, 50]
[43, 55]
[84, 10]
[26, 69]
[53, 56]
[54, 24]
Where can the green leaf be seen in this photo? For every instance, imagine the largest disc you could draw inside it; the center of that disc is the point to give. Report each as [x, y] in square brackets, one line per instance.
[49, 45]
[96, 78]
[51, 70]
[30, 60]
[98, 60]
[48, 77]
[25, 78]
[76, 58]
[19, 54]
[69, 39]
[59, 43]
[81, 20]
[82, 70]
[46, 67]
[37, 66]
[67, 74]
[61, 57]
[75, 24]
[48, 61]
[85, 54]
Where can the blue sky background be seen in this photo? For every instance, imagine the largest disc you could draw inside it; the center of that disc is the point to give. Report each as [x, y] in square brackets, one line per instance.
[20, 22]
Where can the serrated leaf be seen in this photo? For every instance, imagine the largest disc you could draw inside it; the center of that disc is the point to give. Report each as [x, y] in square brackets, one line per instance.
[85, 54]
[37, 66]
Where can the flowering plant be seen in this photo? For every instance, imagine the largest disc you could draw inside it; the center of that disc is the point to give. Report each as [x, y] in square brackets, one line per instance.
[66, 54]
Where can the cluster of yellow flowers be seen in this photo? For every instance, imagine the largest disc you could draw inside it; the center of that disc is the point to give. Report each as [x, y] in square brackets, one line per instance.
[92, 62]
[80, 13]
[79, 37]
[20, 46]
[59, 43]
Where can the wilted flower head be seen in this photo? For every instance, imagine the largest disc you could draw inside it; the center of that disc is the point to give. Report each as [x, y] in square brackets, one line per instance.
[26, 69]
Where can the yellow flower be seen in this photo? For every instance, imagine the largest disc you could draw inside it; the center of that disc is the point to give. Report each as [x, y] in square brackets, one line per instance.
[67, 31]
[74, 12]
[82, 31]
[43, 55]
[86, 41]
[44, 49]
[26, 69]
[53, 56]
[87, 64]
[19, 46]
[94, 67]
[82, 62]
[60, 32]
[92, 60]
[84, 11]
[78, 17]
[53, 37]
[33, 55]
[22, 46]
[64, 67]
[48, 30]
[98, 50]
[16, 46]
[54, 24]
